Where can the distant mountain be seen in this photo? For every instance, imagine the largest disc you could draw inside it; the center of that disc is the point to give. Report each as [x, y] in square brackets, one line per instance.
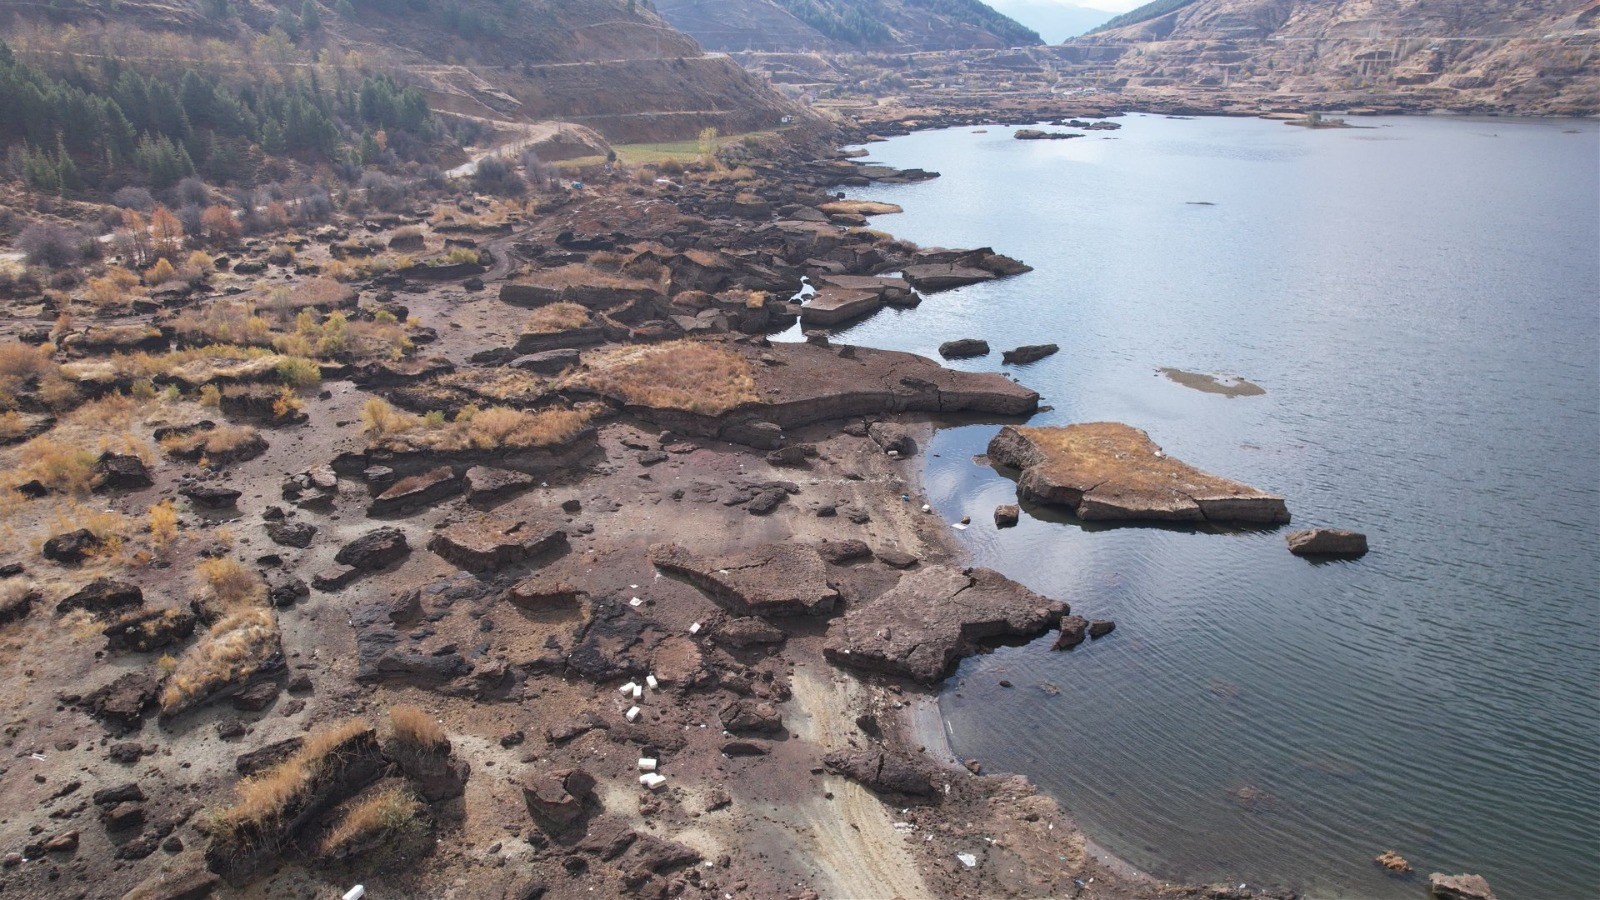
[845, 25]
[1054, 21]
[1530, 56]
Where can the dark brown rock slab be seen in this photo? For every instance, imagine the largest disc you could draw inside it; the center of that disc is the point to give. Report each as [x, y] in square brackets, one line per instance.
[558, 799]
[377, 549]
[930, 277]
[103, 598]
[771, 580]
[1028, 353]
[416, 492]
[121, 705]
[151, 630]
[486, 484]
[486, 545]
[885, 772]
[71, 547]
[1109, 471]
[964, 348]
[748, 631]
[924, 625]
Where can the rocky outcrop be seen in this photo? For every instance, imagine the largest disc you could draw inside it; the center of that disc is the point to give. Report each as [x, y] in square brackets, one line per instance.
[416, 492]
[943, 276]
[121, 705]
[831, 306]
[1327, 542]
[1027, 354]
[103, 598]
[147, 631]
[963, 348]
[71, 547]
[558, 799]
[120, 472]
[252, 847]
[748, 631]
[486, 484]
[923, 626]
[773, 580]
[1108, 471]
[1034, 134]
[374, 550]
[883, 771]
[486, 546]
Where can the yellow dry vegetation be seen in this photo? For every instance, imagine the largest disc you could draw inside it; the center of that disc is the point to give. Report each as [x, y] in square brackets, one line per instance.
[390, 811]
[557, 317]
[210, 442]
[19, 364]
[269, 794]
[63, 458]
[231, 649]
[415, 730]
[496, 427]
[228, 584]
[163, 524]
[694, 376]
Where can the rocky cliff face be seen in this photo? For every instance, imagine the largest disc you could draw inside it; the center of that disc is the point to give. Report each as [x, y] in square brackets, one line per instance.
[1495, 55]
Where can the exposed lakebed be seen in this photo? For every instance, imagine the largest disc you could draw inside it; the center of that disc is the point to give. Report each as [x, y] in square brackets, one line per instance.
[1416, 301]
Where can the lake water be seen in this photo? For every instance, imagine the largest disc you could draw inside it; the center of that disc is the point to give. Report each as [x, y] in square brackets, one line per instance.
[1420, 299]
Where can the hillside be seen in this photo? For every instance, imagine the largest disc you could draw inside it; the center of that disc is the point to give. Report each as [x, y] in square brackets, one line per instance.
[845, 25]
[613, 66]
[1504, 55]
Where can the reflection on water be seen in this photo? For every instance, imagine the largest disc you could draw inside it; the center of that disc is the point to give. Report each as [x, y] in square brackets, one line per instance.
[1420, 312]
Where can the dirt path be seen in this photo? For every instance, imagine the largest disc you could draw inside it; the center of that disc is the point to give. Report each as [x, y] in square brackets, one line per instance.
[855, 841]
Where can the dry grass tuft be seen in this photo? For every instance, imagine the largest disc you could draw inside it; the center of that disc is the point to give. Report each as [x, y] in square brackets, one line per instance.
[163, 524]
[228, 584]
[695, 376]
[496, 427]
[417, 731]
[61, 466]
[233, 648]
[379, 419]
[211, 443]
[19, 364]
[557, 317]
[388, 813]
[12, 426]
[268, 795]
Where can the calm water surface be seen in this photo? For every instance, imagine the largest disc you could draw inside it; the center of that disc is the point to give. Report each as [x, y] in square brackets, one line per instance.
[1419, 300]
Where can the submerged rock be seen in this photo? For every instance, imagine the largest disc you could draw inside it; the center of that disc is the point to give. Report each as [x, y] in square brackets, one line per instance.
[1111, 471]
[1029, 353]
[933, 618]
[1458, 887]
[1327, 542]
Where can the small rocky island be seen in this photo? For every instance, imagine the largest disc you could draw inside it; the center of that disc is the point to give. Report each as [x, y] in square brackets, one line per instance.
[1109, 471]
